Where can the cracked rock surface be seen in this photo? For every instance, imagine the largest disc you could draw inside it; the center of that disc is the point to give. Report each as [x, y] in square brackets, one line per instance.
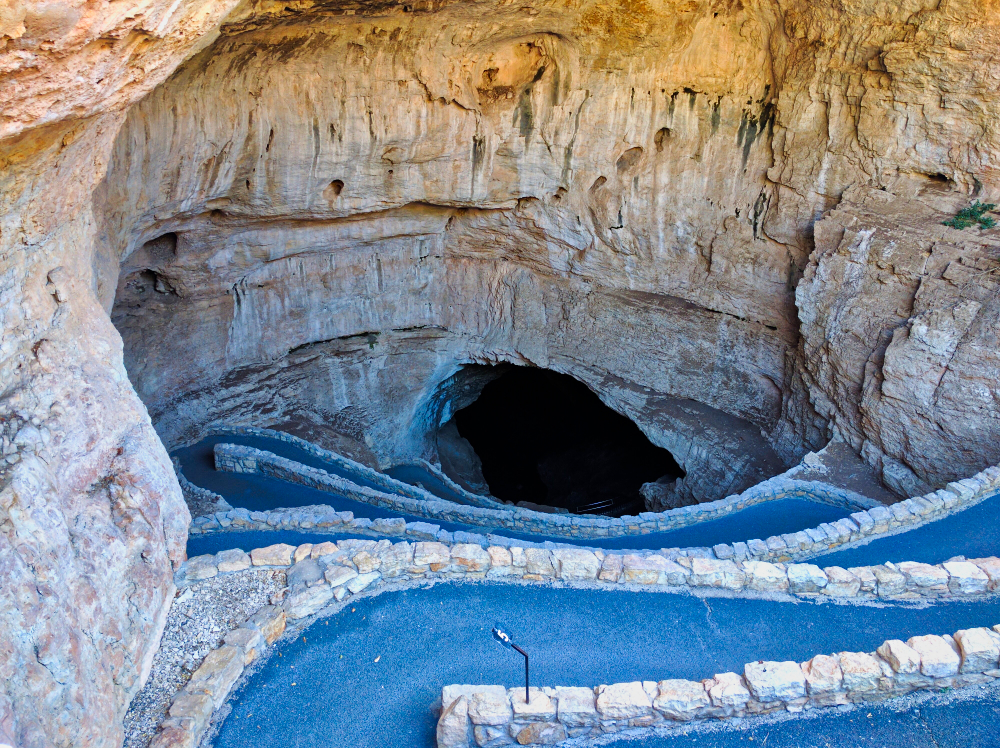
[724, 218]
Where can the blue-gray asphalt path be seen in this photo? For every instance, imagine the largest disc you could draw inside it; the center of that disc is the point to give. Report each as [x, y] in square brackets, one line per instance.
[973, 722]
[973, 533]
[258, 492]
[326, 688]
[417, 476]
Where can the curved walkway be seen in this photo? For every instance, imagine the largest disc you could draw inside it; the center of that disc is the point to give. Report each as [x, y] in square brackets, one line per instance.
[362, 676]
[973, 532]
[258, 493]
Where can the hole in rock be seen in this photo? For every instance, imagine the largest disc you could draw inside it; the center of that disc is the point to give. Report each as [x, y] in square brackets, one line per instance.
[546, 439]
[333, 190]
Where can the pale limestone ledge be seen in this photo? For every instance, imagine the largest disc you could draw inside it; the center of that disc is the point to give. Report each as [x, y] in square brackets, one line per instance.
[489, 716]
[860, 527]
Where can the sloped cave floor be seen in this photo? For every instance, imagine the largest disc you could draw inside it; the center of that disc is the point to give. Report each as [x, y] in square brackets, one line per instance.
[544, 439]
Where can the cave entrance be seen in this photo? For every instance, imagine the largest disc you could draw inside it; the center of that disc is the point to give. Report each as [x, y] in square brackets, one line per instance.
[545, 439]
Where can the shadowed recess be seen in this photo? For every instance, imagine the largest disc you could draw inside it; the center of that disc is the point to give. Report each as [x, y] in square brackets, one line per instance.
[546, 439]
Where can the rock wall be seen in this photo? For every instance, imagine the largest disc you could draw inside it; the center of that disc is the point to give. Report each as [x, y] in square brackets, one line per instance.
[351, 200]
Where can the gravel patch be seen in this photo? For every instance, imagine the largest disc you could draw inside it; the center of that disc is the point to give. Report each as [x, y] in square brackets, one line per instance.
[199, 619]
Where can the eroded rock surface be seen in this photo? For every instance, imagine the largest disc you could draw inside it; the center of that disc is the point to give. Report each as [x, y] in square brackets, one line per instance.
[328, 208]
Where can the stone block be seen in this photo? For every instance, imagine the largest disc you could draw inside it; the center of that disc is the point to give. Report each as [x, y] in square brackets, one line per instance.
[757, 548]
[840, 582]
[681, 699]
[195, 709]
[861, 672]
[488, 736]
[538, 562]
[574, 564]
[924, 576]
[422, 530]
[864, 522]
[389, 525]
[251, 641]
[397, 559]
[433, 554]
[367, 561]
[727, 692]
[706, 572]
[232, 560]
[539, 709]
[489, 705]
[652, 569]
[623, 701]
[470, 557]
[362, 581]
[890, 581]
[576, 706]
[279, 554]
[823, 675]
[302, 552]
[305, 573]
[174, 736]
[269, 621]
[200, 567]
[765, 577]
[937, 657]
[775, 681]
[500, 557]
[902, 658]
[805, 578]
[901, 515]
[217, 674]
[869, 583]
[966, 578]
[990, 566]
[979, 649]
[541, 733]
[880, 518]
[307, 601]
[723, 551]
[338, 575]
[611, 568]
[325, 548]
[963, 492]
[453, 727]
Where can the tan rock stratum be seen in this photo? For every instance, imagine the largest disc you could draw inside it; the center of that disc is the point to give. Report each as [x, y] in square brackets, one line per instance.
[724, 217]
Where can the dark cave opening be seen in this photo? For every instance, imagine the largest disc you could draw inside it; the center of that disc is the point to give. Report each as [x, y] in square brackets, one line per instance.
[546, 439]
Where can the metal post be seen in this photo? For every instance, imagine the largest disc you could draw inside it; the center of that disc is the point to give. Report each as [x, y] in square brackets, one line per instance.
[527, 697]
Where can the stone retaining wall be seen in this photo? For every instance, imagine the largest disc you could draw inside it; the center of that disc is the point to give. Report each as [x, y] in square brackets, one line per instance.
[241, 459]
[374, 476]
[191, 711]
[331, 570]
[488, 716]
[198, 497]
[323, 573]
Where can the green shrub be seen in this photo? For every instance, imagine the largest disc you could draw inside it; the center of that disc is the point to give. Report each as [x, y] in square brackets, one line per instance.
[975, 213]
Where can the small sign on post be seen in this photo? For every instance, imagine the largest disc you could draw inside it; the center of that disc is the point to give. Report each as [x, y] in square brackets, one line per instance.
[502, 637]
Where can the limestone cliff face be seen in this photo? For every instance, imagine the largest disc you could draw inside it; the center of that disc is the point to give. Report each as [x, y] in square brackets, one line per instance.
[724, 217]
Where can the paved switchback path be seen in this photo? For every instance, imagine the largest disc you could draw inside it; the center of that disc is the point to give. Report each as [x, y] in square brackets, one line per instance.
[258, 492]
[973, 533]
[327, 689]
